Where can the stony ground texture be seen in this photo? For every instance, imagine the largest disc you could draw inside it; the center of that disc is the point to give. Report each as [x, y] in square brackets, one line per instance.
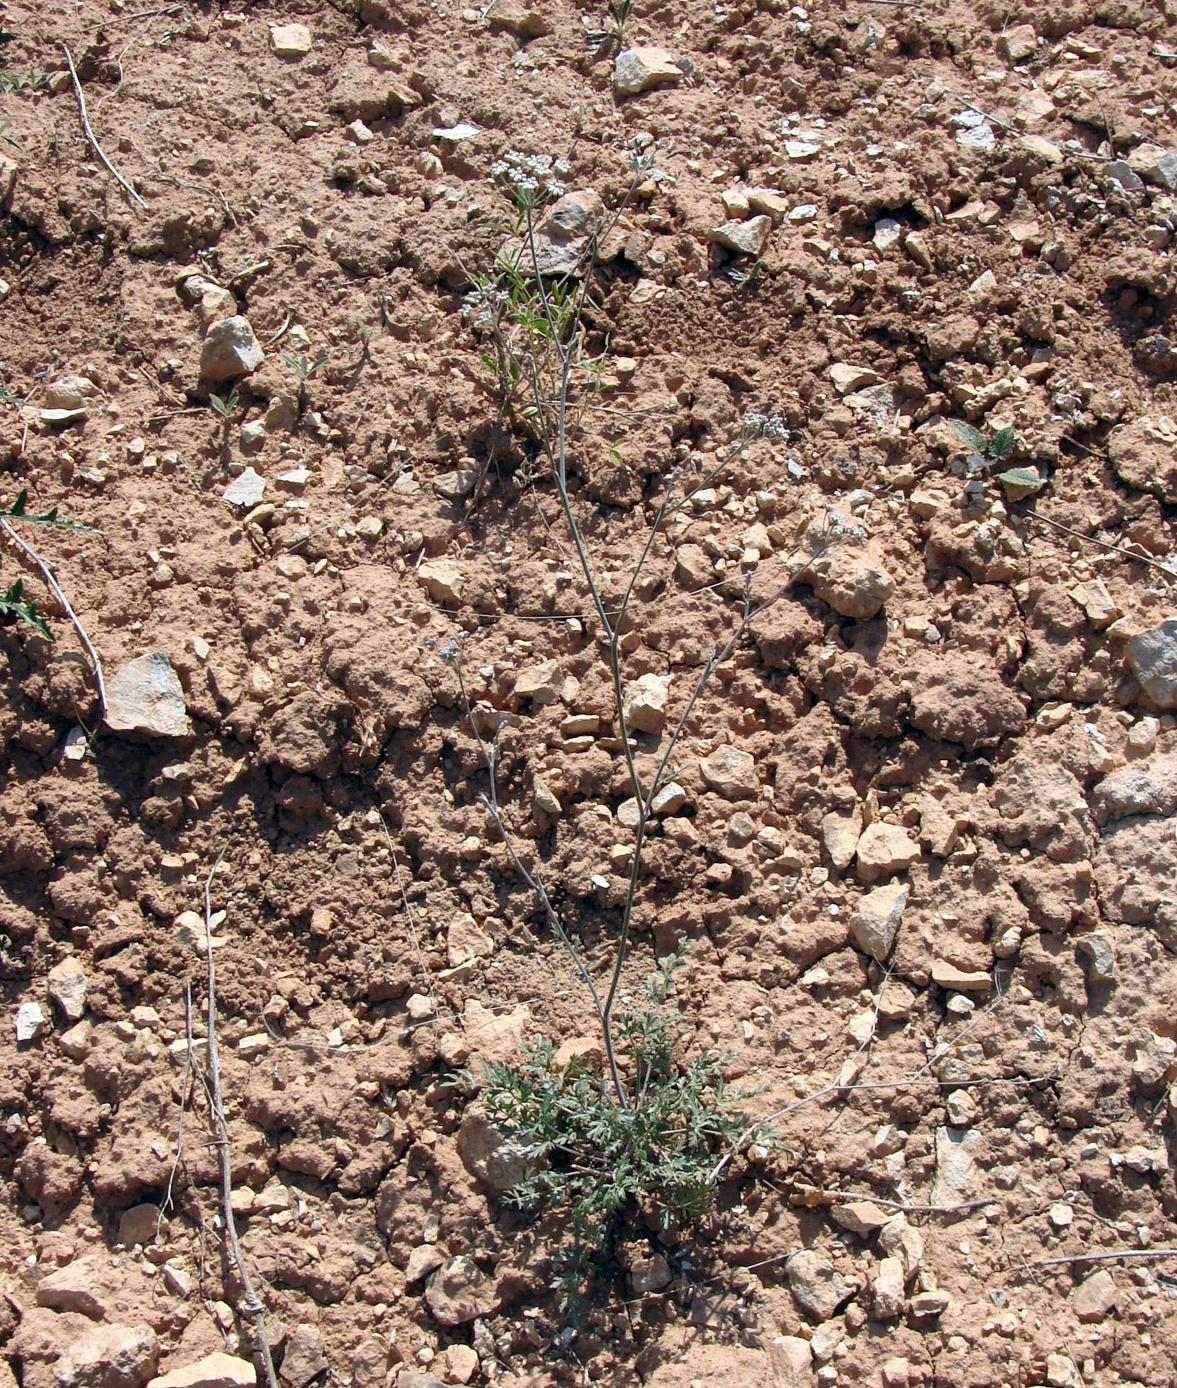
[925, 845]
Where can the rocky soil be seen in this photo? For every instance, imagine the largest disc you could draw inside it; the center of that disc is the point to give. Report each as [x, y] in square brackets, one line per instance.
[924, 841]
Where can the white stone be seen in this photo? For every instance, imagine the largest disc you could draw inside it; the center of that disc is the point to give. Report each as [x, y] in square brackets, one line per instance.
[30, 1022]
[144, 696]
[246, 490]
[230, 350]
[638, 69]
[290, 40]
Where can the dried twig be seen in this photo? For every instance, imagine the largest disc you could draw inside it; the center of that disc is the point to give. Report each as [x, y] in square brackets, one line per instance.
[119, 179]
[1110, 1257]
[56, 589]
[252, 1308]
[1104, 544]
[185, 1082]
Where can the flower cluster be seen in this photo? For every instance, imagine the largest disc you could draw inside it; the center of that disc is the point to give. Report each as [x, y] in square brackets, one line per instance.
[534, 179]
[763, 426]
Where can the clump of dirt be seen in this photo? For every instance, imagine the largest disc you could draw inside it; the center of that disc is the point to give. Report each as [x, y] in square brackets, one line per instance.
[928, 882]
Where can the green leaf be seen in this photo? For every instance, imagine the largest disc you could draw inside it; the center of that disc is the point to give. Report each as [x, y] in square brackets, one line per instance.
[13, 603]
[973, 437]
[1001, 443]
[1022, 478]
[19, 511]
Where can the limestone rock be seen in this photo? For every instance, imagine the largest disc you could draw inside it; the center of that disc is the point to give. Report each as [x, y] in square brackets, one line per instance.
[1095, 1297]
[861, 1217]
[638, 69]
[540, 683]
[145, 697]
[898, 1239]
[246, 489]
[817, 1289]
[1143, 788]
[109, 1356]
[1144, 454]
[74, 1287]
[1152, 658]
[465, 941]
[290, 40]
[523, 20]
[745, 238]
[885, 850]
[213, 1371]
[956, 1165]
[850, 579]
[68, 393]
[792, 1362]
[442, 580]
[876, 919]
[731, 773]
[487, 1155]
[459, 1292]
[887, 1290]
[30, 1023]
[495, 1036]
[847, 377]
[954, 980]
[647, 1275]
[645, 703]
[305, 1358]
[1018, 44]
[839, 835]
[669, 800]
[230, 350]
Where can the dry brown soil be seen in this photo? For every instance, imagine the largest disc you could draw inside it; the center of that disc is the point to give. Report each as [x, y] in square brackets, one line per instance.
[959, 672]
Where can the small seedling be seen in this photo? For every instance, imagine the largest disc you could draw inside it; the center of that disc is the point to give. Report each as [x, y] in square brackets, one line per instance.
[13, 81]
[225, 405]
[987, 453]
[304, 368]
[14, 604]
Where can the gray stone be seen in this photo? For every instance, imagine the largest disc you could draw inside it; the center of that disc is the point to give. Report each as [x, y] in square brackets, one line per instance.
[745, 238]
[215, 1370]
[230, 350]
[638, 69]
[290, 40]
[459, 1292]
[246, 490]
[145, 697]
[305, 1358]
[489, 1156]
[1145, 787]
[30, 1022]
[876, 919]
[1121, 172]
[956, 1165]
[731, 773]
[1100, 954]
[67, 988]
[109, 1356]
[817, 1289]
[1152, 658]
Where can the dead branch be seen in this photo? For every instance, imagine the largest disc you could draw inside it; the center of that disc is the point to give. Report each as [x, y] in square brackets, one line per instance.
[251, 1306]
[1105, 544]
[1109, 1257]
[56, 589]
[93, 139]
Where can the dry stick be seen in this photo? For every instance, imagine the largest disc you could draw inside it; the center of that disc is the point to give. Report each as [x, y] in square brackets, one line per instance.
[251, 1307]
[56, 589]
[122, 182]
[1104, 544]
[185, 1081]
[1105, 1257]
